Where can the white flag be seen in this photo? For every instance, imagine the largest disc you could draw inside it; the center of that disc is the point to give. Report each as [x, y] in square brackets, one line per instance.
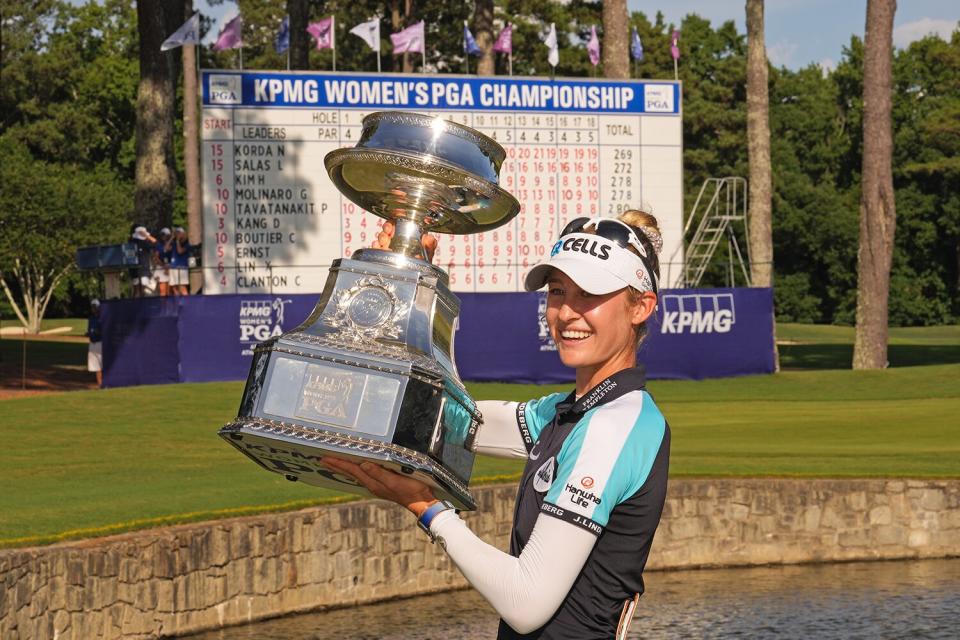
[554, 56]
[188, 33]
[369, 32]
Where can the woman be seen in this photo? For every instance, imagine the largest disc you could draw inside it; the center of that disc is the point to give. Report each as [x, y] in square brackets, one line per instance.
[594, 484]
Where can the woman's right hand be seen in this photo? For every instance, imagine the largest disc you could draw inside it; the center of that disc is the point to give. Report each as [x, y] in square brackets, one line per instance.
[383, 239]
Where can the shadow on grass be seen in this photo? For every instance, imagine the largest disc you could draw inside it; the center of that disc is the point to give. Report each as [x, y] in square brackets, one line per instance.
[42, 353]
[839, 356]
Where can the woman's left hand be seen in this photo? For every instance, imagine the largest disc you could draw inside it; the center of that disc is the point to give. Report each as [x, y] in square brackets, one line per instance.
[383, 483]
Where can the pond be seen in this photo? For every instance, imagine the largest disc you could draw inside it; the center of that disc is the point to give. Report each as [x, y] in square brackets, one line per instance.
[901, 599]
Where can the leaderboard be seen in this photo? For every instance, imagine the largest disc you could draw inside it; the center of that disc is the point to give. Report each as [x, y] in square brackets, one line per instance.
[274, 222]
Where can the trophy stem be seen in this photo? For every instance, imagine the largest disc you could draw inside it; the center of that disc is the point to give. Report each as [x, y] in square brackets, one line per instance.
[407, 238]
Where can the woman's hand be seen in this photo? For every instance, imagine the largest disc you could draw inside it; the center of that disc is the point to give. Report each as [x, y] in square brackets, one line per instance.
[383, 239]
[404, 490]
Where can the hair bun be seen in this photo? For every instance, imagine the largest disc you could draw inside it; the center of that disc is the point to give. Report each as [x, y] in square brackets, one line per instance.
[647, 223]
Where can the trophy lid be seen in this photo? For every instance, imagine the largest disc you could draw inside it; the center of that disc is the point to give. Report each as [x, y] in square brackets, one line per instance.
[440, 174]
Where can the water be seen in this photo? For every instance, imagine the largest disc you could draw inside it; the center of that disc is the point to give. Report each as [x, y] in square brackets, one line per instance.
[875, 600]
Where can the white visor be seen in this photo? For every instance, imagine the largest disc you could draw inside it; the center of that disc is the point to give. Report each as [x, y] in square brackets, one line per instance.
[596, 264]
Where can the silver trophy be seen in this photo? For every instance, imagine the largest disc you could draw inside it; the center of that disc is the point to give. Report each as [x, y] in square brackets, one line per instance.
[370, 375]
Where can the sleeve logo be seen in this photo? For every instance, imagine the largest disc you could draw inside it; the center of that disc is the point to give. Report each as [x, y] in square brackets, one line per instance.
[543, 478]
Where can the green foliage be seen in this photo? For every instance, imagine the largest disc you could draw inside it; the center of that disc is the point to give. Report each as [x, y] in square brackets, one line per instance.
[70, 73]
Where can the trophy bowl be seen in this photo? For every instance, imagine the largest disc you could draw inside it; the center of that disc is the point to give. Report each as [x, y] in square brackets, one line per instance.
[370, 374]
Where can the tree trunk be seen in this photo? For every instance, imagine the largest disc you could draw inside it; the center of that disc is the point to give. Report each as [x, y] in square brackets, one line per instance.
[758, 144]
[483, 30]
[758, 149]
[299, 38]
[156, 177]
[616, 39]
[407, 21]
[878, 214]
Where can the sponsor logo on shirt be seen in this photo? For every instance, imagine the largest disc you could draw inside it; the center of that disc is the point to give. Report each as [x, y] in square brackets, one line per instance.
[586, 482]
[581, 497]
[543, 478]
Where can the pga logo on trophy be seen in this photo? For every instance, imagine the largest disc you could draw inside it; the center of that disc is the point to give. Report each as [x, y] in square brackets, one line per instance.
[370, 374]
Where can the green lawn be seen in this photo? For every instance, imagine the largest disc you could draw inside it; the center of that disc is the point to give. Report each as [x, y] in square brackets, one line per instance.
[95, 462]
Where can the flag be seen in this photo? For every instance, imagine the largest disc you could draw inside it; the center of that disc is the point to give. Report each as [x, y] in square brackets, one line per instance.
[504, 43]
[593, 46]
[636, 47]
[188, 33]
[469, 43]
[553, 57]
[282, 42]
[369, 32]
[231, 35]
[675, 45]
[323, 32]
[410, 40]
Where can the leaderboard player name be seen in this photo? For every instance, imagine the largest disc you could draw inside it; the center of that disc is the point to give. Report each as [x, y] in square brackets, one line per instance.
[418, 93]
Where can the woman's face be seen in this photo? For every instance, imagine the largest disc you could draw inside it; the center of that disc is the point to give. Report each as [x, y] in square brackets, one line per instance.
[594, 332]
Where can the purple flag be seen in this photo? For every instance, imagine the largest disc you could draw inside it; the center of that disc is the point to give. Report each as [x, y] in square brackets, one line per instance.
[231, 35]
[410, 40]
[504, 43]
[593, 46]
[323, 32]
[675, 45]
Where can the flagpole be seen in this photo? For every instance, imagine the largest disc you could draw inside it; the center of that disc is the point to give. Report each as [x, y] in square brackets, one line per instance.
[675, 76]
[510, 60]
[333, 39]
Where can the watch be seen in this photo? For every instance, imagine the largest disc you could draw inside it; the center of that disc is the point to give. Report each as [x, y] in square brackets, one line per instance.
[432, 512]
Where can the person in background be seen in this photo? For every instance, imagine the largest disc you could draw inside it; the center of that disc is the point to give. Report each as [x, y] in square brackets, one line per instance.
[95, 348]
[161, 262]
[143, 283]
[179, 261]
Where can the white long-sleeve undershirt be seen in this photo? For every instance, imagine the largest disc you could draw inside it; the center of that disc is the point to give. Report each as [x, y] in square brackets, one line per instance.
[528, 590]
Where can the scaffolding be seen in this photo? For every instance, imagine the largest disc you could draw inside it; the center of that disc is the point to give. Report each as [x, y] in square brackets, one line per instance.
[721, 204]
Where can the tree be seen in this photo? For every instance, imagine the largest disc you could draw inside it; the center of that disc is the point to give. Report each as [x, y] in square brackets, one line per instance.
[483, 27]
[49, 211]
[616, 40]
[758, 146]
[878, 214]
[299, 38]
[156, 177]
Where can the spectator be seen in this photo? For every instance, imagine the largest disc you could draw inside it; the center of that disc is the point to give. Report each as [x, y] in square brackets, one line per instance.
[95, 349]
[143, 283]
[161, 262]
[179, 261]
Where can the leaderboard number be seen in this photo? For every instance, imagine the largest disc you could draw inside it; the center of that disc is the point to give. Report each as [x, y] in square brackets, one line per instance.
[220, 208]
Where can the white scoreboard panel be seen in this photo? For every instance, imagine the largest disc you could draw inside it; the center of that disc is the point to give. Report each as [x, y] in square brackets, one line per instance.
[273, 221]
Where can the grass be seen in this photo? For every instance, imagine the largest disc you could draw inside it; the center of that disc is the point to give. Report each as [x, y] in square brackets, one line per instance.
[806, 346]
[91, 463]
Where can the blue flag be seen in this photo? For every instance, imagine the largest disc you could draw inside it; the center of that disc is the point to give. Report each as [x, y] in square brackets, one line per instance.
[636, 47]
[282, 42]
[469, 44]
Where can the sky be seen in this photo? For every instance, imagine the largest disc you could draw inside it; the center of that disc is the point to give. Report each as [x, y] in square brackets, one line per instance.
[799, 32]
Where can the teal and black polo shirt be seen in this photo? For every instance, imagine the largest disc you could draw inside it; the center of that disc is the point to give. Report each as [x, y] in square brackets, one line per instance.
[599, 463]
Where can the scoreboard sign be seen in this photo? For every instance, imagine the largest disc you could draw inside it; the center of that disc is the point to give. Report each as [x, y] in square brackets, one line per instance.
[273, 221]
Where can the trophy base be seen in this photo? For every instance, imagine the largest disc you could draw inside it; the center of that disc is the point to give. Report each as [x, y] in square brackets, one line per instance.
[295, 452]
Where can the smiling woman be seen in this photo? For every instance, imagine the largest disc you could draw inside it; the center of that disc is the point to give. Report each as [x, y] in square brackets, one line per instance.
[594, 484]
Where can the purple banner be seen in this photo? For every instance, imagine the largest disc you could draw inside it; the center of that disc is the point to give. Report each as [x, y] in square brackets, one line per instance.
[697, 333]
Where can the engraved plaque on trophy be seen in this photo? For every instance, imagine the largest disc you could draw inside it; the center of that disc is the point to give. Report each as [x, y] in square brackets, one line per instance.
[370, 375]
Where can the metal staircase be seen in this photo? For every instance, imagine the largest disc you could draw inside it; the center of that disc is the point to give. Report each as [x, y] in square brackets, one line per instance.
[720, 203]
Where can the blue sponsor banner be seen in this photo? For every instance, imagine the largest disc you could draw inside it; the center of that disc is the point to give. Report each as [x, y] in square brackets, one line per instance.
[422, 92]
[696, 334]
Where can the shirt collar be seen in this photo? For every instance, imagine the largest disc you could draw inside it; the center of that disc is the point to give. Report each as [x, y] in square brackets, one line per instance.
[620, 383]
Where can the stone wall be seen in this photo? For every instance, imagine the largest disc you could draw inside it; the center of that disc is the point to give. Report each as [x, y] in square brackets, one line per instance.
[187, 578]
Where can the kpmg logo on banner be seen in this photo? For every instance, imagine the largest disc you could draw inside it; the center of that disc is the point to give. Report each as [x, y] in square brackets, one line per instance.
[543, 331]
[225, 90]
[698, 313]
[260, 320]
